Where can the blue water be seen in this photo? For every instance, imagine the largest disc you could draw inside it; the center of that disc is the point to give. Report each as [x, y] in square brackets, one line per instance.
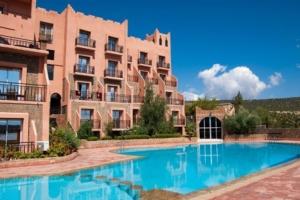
[182, 169]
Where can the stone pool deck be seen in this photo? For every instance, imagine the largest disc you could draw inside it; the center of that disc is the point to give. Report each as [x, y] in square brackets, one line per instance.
[278, 183]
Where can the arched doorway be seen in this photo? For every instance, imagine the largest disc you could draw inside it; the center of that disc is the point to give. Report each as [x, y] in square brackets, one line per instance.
[210, 128]
[55, 104]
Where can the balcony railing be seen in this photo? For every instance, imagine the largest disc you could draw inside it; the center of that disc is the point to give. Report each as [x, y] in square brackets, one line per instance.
[138, 99]
[144, 61]
[114, 48]
[22, 92]
[113, 73]
[178, 121]
[95, 123]
[173, 101]
[19, 42]
[121, 124]
[163, 65]
[171, 83]
[86, 95]
[152, 80]
[129, 58]
[121, 98]
[85, 69]
[132, 78]
[85, 42]
[46, 37]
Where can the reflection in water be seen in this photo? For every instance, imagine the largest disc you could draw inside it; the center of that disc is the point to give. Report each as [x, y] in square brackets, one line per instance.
[181, 169]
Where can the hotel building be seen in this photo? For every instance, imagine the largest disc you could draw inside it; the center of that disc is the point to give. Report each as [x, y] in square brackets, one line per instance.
[69, 68]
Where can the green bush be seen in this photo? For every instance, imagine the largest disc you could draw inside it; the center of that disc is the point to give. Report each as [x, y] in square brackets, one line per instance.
[107, 138]
[93, 138]
[85, 130]
[190, 128]
[130, 137]
[167, 135]
[137, 130]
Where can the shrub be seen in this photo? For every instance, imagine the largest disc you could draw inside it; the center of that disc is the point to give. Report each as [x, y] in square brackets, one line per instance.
[190, 128]
[130, 137]
[243, 122]
[106, 138]
[93, 138]
[85, 130]
[166, 135]
[137, 130]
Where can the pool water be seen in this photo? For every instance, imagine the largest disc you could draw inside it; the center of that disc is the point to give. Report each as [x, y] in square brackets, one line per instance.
[182, 169]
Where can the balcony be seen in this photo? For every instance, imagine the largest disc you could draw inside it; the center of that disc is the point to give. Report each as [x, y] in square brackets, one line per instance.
[171, 83]
[138, 99]
[95, 123]
[24, 46]
[153, 81]
[172, 101]
[145, 62]
[22, 92]
[86, 95]
[84, 70]
[113, 49]
[132, 78]
[163, 65]
[178, 121]
[121, 124]
[85, 43]
[119, 98]
[46, 37]
[113, 74]
[24, 147]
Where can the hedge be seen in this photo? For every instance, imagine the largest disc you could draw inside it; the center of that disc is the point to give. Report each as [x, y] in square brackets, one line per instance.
[166, 135]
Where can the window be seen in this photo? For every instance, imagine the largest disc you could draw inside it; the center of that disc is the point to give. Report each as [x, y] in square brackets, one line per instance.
[166, 43]
[86, 115]
[111, 93]
[83, 90]
[210, 128]
[50, 70]
[10, 130]
[161, 60]
[46, 30]
[144, 74]
[10, 75]
[112, 66]
[50, 54]
[112, 42]
[162, 76]
[143, 56]
[1, 10]
[84, 37]
[160, 41]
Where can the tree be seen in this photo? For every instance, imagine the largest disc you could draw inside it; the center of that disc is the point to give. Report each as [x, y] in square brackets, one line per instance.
[238, 101]
[265, 116]
[85, 130]
[205, 104]
[153, 113]
[243, 122]
[190, 127]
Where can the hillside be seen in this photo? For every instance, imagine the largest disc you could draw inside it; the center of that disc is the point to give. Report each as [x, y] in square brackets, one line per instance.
[282, 104]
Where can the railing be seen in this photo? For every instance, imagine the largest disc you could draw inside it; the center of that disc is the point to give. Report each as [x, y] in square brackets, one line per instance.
[129, 58]
[171, 83]
[173, 101]
[24, 147]
[86, 95]
[132, 78]
[86, 69]
[179, 121]
[121, 98]
[22, 92]
[19, 42]
[45, 37]
[152, 80]
[114, 48]
[163, 65]
[85, 42]
[138, 99]
[121, 124]
[144, 61]
[96, 124]
[113, 73]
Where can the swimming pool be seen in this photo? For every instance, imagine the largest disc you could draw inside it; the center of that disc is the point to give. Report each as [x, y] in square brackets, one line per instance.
[181, 169]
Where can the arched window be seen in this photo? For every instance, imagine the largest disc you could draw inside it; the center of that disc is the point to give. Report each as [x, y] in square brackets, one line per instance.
[210, 128]
[55, 104]
[160, 41]
[166, 43]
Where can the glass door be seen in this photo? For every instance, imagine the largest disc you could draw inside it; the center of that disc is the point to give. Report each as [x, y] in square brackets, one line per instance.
[111, 94]
[83, 90]
[83, 63]
[10, 130]
[10, 80]
[117, 116]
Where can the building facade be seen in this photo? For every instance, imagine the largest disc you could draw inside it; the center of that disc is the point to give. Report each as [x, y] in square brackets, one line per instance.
[69, 68]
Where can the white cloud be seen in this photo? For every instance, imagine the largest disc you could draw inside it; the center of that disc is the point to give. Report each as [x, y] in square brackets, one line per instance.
[224, 84]
[191, 96]
[275, 79]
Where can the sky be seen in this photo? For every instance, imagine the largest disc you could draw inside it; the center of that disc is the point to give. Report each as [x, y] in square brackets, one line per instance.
[219, 47]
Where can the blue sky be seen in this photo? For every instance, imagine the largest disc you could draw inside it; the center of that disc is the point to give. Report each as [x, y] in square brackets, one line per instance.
[212, 39]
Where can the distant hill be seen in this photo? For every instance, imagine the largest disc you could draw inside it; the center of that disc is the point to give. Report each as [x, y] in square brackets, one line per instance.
[279, 104]
[282, 104]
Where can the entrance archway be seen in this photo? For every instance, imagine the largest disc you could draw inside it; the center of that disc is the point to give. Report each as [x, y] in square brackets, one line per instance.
[55, 104]
[210, 128]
